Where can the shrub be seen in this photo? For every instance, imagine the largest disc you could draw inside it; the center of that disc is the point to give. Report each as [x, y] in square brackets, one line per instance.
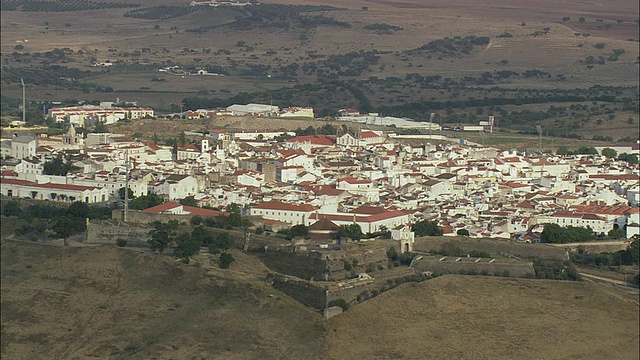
[121, 242]
[340, 302]
[225, 260]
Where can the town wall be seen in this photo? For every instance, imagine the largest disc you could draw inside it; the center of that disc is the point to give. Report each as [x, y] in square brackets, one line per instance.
[501, 267]
[139, 217]
[505, 248]
[350, 291]
[108, 232]
[298, 265]
[332, 311]
[303, 291]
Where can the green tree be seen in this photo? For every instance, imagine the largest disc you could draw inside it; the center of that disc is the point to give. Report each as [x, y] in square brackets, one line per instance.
[225, 260]
[463, 232]
[187, 246]
[392, 254]
[339, 302]
[426, 228]
[57, 167]
[630, 158]
[145, 201]
[161, 236]
[352, 231]
[299, 230]
[616, 233]
[79, 209]
[121, 194]
[12, 208]
[609, 153]
[189, 201]
[233, 208]
[65, 226]
[196, 220]
[100, 128]
[222, 241]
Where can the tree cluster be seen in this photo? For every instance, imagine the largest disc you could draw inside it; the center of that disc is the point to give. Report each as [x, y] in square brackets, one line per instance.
[57, 166]
[58, 221]
[426, 228]
[556, 234]
[629, 256]
[555, 270]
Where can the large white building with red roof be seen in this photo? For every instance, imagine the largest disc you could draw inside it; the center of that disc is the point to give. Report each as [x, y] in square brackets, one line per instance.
[53, 192]
[289, 213]
[175, 208]
[369, 223]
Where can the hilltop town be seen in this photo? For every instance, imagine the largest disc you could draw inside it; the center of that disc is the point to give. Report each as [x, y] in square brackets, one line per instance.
[376, 179]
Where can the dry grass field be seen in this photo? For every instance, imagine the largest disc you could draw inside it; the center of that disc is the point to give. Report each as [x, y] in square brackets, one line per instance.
[458, 317]
[538, 38]
[104, 302]
[78, 303]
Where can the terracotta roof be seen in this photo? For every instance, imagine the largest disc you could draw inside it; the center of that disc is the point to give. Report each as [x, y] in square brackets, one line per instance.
[192, 210]
[47, 185]
[352, 180]
[367, 209]
[284, 206]
[323, 224]
[314, 139]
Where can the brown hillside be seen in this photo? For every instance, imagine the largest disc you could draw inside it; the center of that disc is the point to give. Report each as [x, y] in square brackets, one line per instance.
[461, 317]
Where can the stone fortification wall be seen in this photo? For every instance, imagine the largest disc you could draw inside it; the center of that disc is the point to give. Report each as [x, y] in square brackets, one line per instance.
[449, 265]
[139, 217]
[108, 232]
[298, 265]
[503, 247]
[303, 291]
[332, 311]
[349, 291]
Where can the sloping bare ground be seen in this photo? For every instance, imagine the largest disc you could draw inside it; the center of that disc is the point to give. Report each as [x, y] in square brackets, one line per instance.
[73, 303]
[103, 302]
[461, 317]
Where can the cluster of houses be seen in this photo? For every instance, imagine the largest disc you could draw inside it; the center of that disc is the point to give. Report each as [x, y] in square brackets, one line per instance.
[105, 113]
[367, 178]
[252, 110]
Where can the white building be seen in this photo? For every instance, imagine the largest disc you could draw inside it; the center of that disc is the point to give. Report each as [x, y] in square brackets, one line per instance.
[51, 191]
[178, 187]
[253, 109]
[23, 147]
[293, 214]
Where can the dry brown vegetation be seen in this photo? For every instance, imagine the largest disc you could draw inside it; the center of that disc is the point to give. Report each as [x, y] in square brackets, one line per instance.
[560, 50]
[106, 302]
[67, 303]
[489, 318]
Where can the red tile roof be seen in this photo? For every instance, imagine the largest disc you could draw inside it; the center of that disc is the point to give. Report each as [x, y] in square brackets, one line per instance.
[285, 207]
[192, 210]
[47, 185]
[314, 139]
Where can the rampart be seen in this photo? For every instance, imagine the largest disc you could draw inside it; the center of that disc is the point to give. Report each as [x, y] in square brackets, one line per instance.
[349, 290]
[299, 265]
[303, 291]
[108, 232]
[484, 266]
[505, 248]
[139, 217]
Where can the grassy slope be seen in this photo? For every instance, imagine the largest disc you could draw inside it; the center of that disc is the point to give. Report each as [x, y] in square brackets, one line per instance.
[113, 303]
[489, 318]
